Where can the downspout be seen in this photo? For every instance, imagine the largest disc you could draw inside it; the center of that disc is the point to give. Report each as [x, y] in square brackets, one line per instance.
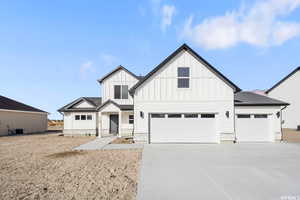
[281, 122]
[234, 123]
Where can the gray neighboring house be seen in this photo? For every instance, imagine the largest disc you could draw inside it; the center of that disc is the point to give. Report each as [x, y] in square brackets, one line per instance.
[21, 118]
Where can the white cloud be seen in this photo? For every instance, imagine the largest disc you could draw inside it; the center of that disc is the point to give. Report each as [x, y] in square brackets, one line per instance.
[85, 68]
[167, 12]
[259, 25]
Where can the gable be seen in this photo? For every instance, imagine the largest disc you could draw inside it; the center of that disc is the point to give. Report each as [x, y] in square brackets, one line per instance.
[205, 85]
[289, 82]
[185, 47]
[83, 104]
[118, 69]
[109, 107]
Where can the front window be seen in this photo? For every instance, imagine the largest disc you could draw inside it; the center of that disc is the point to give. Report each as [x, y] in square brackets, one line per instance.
[83, 117]
[89, 117]
[131, 119]
[183, 75]
[121, 91]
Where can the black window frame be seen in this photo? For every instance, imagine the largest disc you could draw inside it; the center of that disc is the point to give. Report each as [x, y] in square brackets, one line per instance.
[77, 117]
[119, 92]
[89, 117]
[183, 78]
[260, 116]
[243, 116]
[191, 115]
[157, 115]
[82, 117]
[131, 119]
[175, 115]
[208, 115]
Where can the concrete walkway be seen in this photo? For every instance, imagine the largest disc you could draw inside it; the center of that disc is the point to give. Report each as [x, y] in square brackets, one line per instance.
[124, 146]
[97, 144]
[239, 171]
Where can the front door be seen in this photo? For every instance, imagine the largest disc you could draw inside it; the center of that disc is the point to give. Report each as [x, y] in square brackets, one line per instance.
[113, 124]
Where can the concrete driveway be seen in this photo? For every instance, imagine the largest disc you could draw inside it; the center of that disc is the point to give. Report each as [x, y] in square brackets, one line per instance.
[224, 171]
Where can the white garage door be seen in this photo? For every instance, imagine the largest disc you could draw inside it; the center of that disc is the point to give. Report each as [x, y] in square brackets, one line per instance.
[253, 128]
[183, 128]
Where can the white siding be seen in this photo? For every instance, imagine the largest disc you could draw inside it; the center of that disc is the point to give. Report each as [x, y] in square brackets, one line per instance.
[119, 78]
[207, 93]
[72, 126]
[270, 110]
[83, 104]
[288, 91]
[29, 122]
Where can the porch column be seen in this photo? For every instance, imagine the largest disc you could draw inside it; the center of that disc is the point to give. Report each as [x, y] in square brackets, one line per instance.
[120, 124]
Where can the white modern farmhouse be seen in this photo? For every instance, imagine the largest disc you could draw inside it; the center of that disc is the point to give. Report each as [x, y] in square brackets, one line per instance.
[182, 100]
[287, 90]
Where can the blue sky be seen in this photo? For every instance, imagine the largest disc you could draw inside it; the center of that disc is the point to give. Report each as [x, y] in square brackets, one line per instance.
[52, 52]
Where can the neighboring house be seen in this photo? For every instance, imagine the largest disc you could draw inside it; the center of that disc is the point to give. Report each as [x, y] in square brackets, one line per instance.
[20, 118]
[288, 90]
[182, 100]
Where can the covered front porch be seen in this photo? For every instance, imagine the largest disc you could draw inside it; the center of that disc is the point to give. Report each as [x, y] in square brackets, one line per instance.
[115, 119]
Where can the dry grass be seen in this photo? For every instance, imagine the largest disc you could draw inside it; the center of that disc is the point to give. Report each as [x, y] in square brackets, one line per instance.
[44, 167]
[291, 135]
[123, 141]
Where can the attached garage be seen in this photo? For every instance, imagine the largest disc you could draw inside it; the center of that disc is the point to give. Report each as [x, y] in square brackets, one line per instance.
[183, 128]
[257, 118]
[254, 128]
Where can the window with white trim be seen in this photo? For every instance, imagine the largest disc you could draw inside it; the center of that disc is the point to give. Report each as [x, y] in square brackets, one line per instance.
[183, 77]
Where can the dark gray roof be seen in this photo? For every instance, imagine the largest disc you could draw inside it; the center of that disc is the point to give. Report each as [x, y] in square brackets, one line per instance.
[197, 56]
[282, 80]
[95, 101]
[253, 99]
[10, 104]
[120, 67]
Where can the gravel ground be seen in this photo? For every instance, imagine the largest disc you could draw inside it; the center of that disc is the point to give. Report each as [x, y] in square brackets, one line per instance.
[44, 167]
[291, 135]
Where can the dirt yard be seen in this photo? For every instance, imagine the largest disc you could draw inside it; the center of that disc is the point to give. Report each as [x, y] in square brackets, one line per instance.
[291, 135]
[45, 167]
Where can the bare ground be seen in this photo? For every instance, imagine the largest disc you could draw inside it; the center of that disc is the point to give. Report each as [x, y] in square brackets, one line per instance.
[291, 135]
[45, 167]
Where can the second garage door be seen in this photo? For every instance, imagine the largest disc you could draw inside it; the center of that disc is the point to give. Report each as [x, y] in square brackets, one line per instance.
[253, 128]
[183, 128]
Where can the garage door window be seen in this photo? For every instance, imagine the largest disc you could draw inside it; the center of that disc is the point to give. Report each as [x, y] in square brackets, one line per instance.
[158, 116]
[207, 115]
[243, 116]
[260, 116]
[174, 115]
[77, 117]
[89, 117]
[190, 115]
[83, 117]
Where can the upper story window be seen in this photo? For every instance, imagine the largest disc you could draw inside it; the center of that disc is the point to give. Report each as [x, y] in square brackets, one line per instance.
[121, 92]
[183, 77]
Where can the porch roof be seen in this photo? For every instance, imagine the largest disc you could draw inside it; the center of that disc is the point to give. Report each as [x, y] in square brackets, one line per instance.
[123, 107]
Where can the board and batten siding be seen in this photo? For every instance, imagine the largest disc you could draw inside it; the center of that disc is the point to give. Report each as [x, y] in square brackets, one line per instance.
[30, 122]
[207, 93]
[288, 91]
[119, 78]
[81, 127]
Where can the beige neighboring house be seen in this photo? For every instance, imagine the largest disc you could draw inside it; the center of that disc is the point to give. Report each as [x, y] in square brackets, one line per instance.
[16, 117]
[184, 99]
[287, 90]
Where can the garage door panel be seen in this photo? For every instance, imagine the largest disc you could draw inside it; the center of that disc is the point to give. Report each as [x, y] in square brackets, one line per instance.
[253, 129]
[183, 130]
